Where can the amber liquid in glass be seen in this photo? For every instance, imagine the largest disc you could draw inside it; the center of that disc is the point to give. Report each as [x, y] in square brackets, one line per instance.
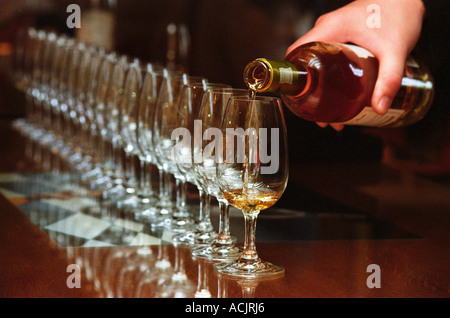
[252, 199]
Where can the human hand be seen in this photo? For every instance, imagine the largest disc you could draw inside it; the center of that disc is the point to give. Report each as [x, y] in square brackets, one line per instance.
[391, 41]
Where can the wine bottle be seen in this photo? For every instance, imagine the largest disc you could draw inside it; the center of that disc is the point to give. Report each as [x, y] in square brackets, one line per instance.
[334, 82]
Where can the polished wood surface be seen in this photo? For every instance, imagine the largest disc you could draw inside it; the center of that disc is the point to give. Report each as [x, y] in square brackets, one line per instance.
[33, 265]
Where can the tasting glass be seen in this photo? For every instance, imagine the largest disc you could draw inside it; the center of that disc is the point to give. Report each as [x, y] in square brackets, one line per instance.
[85, 64]
[108, 186]
[63, 112]
[107, 165]
[152, 80]
[46, 101]
[175, 216]
[112, 125]
[206, 153]
[190, 102]
[54, 97]
[95, 153]
[75, 95]
[250, 178]
[90, 63]
[53, 75]
[128, 114]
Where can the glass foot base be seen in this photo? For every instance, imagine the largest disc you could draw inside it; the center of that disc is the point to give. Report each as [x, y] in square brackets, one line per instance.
[178, 225]
[196, 238]
[246, 269]
[217, 252]
[155, 217]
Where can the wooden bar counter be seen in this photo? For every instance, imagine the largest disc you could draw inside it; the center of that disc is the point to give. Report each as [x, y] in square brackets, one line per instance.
[333, 223]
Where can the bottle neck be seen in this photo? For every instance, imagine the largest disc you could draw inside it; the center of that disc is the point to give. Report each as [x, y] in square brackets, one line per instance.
[263, 75]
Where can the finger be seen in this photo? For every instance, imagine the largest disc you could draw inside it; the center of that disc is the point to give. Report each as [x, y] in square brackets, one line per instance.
[337, 127]
[389, 80]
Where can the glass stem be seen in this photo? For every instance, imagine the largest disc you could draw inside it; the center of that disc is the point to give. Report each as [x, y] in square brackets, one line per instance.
[149, 179]
[224, 237]
[181, 197]
[161, 182]
[145, 190]
[142, 180]
[118, 163]
[128, 169]
[249, 253]
[108, 154]
[205, 217]
[83, 136]
[164, 187]
[104, 155]
[167, 186]
[146, 177]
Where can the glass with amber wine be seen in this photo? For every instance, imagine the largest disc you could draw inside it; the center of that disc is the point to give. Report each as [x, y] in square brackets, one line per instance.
[253, 172]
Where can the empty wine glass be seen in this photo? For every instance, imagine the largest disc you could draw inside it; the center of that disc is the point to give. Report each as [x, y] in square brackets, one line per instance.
[107, 165]
[54, 98]
[89, 64]
[112, 124]
[165, 122]
[163, 208]
[153, 78]
[95, 154]
[250, 178]
[78, 63]
[64, 114]
[128, 113]
[108, 186]
[209, 119]
[185, 135]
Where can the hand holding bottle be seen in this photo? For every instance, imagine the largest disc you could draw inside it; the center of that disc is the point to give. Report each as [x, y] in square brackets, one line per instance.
[390, 41]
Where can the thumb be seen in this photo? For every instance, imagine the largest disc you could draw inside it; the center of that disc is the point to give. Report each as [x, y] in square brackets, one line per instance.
[389, 80]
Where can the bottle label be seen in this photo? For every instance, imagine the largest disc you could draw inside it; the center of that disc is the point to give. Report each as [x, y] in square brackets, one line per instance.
[281, 73]
[359, 51]
[368, 117]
